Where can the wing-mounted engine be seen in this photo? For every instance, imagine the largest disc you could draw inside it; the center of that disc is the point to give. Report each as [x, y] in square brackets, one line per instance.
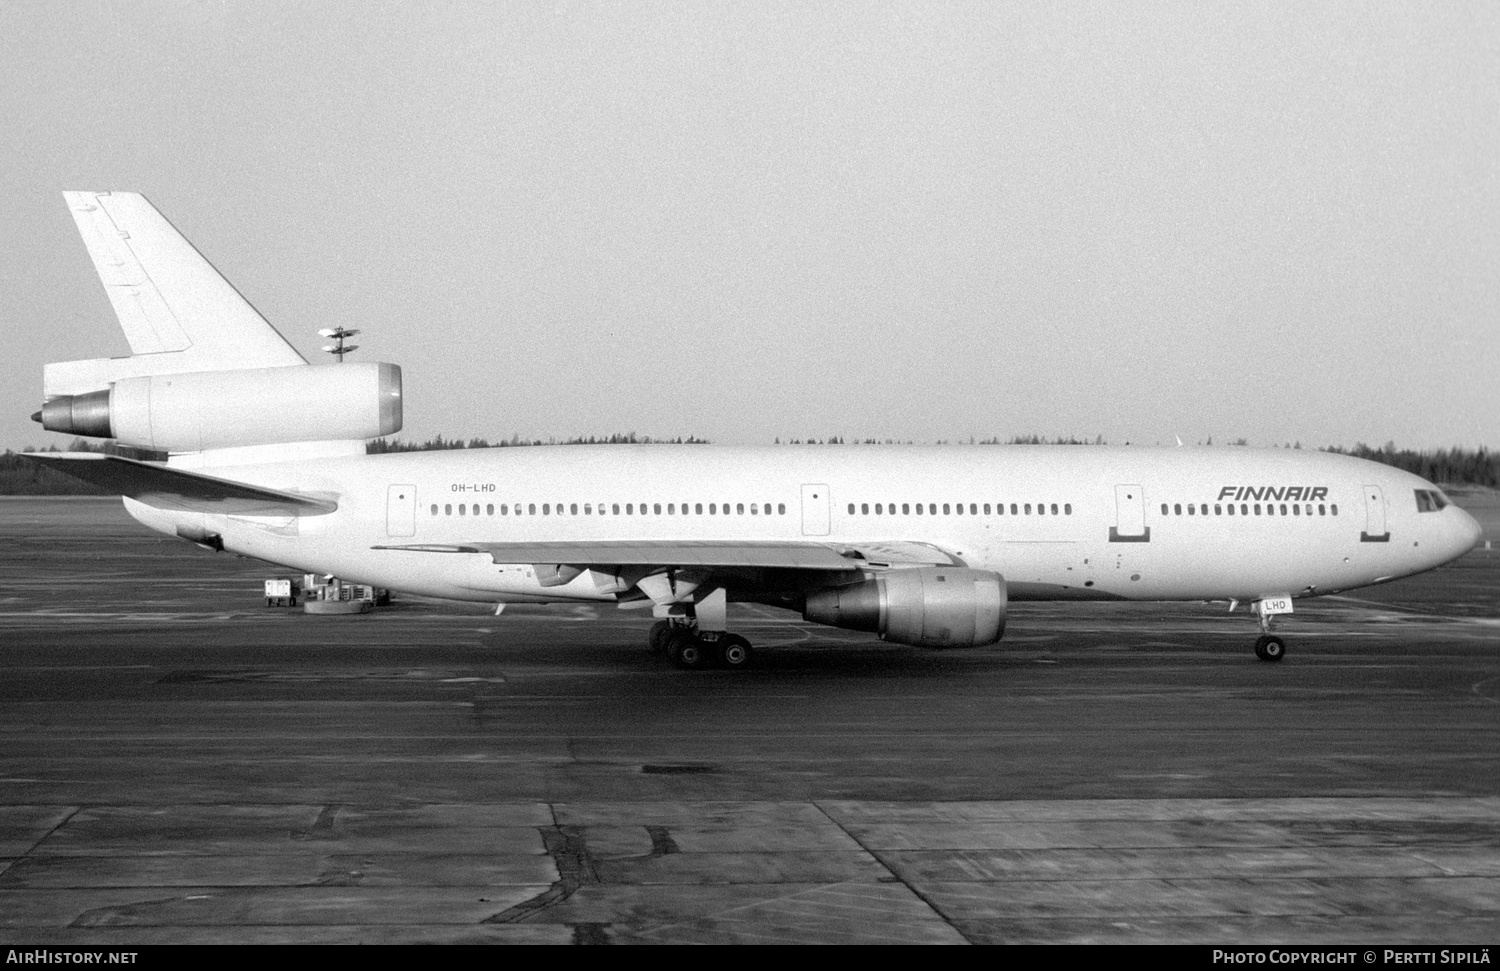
[227, 409]
[932, 607]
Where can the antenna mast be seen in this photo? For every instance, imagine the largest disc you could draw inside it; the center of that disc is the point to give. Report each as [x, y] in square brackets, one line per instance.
[339, 334]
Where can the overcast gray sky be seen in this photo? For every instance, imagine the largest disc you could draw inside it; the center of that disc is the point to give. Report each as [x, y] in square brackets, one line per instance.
[926, 221]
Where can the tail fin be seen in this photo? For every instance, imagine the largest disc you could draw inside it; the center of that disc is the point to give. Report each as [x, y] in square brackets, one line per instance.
[178, 314]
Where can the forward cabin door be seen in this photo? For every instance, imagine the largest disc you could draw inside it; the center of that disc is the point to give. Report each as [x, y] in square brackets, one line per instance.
[815, 510]
[1375, 531]
[401, 510]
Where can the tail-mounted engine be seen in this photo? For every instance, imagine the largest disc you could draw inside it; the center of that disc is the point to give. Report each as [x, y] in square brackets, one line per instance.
[227, 409]
[929, 607]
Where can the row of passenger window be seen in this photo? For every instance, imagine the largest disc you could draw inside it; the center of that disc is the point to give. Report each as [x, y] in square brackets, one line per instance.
[1248, 509]
[957, 509]
[612, 509]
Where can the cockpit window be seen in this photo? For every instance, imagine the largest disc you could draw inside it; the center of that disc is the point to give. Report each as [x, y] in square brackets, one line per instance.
[1430, 500]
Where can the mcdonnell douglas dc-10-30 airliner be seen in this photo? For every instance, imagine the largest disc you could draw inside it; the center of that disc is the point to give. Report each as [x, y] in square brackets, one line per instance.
[922, 545]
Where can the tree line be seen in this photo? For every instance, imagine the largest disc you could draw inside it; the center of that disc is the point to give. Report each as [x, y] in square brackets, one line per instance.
[1445, 466]
[382, 446]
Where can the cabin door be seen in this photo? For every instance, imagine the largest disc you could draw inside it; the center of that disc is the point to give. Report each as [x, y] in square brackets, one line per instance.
[815, 510]
[401, 510]
[1130, 516]
[1375, 531]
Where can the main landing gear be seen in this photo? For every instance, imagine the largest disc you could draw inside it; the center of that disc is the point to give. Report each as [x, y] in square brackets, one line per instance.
[688, 647]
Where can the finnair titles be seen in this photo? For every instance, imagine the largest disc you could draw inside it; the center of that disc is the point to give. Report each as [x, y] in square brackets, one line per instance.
[1288, 493]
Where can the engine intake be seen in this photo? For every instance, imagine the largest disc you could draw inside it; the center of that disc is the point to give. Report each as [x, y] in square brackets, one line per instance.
[927, 607]
[227, 409]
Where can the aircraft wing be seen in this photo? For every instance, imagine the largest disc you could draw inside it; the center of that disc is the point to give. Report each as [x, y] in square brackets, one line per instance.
[768, 554]
[170, 488]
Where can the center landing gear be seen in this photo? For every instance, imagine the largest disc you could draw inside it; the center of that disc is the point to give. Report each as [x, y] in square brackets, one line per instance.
[688, 647]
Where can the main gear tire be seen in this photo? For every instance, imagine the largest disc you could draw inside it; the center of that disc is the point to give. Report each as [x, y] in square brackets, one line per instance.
[733, 652]
[686, 650]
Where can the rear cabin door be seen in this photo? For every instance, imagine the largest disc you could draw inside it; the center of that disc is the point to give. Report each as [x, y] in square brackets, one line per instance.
[401, 510]
[815, 510]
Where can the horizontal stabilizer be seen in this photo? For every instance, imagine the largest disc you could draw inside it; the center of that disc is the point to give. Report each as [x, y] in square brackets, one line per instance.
[171, 488]
[695, 553]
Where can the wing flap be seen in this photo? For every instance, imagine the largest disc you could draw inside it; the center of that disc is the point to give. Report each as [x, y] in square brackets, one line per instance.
[905, 553]
[172, 488]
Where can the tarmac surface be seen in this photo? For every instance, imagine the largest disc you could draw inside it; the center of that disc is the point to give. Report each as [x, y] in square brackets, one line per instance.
[180, 763]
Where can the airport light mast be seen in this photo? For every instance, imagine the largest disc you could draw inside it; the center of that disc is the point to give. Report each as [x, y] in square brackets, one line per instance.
[339, 334]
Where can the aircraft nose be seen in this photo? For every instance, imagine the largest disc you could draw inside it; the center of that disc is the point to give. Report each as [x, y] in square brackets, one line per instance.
[1469, 532]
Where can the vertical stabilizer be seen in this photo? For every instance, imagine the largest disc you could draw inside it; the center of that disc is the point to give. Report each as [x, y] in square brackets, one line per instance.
[178, 314]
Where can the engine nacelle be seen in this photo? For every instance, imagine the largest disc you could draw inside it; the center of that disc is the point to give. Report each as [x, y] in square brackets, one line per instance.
[228, 409]
[928, 607]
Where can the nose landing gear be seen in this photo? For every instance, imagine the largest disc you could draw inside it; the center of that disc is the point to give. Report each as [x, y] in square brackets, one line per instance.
[1269, 646]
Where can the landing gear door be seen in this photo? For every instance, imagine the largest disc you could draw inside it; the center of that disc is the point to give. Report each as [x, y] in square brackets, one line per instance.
[1375, 531]
[1130, 516]
[815, 510]
[401, 510]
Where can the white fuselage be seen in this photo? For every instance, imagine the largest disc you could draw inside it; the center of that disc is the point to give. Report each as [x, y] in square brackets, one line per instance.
[1058, 522]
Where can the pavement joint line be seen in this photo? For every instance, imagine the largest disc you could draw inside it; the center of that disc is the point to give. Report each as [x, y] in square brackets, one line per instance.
[893, 874]
[73, 810]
